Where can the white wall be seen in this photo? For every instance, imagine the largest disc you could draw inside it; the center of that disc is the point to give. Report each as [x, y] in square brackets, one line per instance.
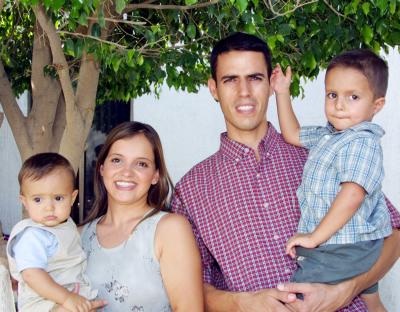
[10, 207]
[189, 127]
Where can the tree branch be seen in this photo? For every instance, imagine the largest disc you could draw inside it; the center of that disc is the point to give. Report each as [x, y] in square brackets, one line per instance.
[59, 60]
[12, 111]
[149, 5]
[64, 32]
[277, 13]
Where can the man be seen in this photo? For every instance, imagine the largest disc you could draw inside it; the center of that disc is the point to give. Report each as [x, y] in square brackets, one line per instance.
[242, 201]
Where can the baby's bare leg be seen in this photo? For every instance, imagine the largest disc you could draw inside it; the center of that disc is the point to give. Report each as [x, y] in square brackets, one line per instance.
[374, 303]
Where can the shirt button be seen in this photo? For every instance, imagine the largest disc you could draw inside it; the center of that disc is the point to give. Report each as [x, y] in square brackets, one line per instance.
[257, 175]
[246, 150]
[276, 237]
[327, 136]
[287, 270]
[265, 205]
[268, 154]
[237, 159]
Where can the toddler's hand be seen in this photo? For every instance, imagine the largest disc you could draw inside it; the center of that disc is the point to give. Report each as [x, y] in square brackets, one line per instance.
[76, 303]
[303, 240]
[280, 82]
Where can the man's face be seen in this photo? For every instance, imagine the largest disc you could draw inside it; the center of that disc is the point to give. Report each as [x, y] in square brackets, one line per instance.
[242, 89]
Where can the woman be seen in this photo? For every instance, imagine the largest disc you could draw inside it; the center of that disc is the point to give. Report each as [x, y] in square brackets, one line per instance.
[140, 258]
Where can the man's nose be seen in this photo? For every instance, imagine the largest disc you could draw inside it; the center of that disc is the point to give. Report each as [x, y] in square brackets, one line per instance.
[244, 88]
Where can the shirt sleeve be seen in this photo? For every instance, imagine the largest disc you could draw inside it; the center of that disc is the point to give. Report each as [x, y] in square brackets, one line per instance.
[33, 247]
[394, 214]
[211, 272]
[361, 161]
[310, 135]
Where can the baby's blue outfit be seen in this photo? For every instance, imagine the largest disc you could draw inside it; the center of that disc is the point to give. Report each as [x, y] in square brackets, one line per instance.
[352, 155]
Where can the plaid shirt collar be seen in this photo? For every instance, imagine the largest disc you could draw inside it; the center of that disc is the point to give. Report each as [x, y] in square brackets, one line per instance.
[238, 151]
[362, 126]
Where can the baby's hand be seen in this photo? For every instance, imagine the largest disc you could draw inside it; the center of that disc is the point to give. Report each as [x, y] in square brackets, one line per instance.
[280, 83]
[76, 303]
[303, 240]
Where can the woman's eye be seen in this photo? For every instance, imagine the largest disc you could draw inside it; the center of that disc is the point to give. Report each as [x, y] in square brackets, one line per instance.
[142, 164]
[115, 160]
[59, 198]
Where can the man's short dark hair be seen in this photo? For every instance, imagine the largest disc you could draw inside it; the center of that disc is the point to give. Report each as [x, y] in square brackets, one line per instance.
[42, 164]
[240, 42]
[373, 67]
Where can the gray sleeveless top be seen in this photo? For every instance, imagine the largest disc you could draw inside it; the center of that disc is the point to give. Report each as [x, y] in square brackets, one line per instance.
[127, 276]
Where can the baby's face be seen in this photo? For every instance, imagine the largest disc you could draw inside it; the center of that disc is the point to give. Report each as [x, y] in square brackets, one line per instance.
[48, 200]
[349, 99]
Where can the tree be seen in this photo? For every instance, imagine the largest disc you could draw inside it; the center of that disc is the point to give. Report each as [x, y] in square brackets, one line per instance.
[72, 54]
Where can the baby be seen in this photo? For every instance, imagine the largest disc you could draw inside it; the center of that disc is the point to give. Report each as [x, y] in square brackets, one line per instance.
[44, 251]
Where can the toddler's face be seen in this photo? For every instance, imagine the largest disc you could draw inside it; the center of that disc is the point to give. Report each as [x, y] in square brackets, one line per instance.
[349, 99]
[48, 200]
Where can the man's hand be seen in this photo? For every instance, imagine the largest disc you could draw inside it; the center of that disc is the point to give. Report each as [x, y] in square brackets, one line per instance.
[266, 300]
[320, 297]
[303, 240]
[280, 82]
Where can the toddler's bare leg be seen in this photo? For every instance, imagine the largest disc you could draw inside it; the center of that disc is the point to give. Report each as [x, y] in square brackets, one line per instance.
[374, 303]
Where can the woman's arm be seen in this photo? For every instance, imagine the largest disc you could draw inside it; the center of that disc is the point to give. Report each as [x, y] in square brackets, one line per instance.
[180, 264]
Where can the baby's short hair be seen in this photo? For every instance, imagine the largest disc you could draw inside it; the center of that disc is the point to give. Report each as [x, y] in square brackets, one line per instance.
[372, 66]
[42, 164]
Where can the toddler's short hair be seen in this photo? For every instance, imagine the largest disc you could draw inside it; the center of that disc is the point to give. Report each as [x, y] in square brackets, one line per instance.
[373, 67]
[42, 164]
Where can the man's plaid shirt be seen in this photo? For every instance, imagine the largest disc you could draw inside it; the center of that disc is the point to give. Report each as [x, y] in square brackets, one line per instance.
[243, 211]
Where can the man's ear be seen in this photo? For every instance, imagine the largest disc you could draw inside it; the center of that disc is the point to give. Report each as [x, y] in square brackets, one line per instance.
[378, 104]
[212, 86]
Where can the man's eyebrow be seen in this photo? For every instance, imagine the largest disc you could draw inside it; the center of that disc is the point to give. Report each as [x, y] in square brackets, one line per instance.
[256, 75]
[229, 77]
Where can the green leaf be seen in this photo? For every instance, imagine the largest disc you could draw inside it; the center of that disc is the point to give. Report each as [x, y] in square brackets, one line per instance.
[78, 48]
[241, 5]
[367, 34]
[119, 6]
[191, 30]
[382, 5]
[392, 6]
[250, 28]
[83, 19]
[69, 47]
[116, 61]
[96, 31]
[190, 2]
[57, 4]
[309, 60]
[366, 7]
[101, 20]
[140, 60]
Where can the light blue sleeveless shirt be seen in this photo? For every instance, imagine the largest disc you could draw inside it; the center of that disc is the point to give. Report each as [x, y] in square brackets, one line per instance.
[127, 276]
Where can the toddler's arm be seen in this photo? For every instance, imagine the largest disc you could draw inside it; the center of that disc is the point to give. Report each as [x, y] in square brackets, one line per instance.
[345, 205]
[41, 282]
[288, 123]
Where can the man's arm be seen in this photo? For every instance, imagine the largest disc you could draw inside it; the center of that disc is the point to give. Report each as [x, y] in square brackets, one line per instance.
[259, 301]
[321, 297]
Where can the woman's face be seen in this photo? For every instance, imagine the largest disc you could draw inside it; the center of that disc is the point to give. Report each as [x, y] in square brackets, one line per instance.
[129, 171]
